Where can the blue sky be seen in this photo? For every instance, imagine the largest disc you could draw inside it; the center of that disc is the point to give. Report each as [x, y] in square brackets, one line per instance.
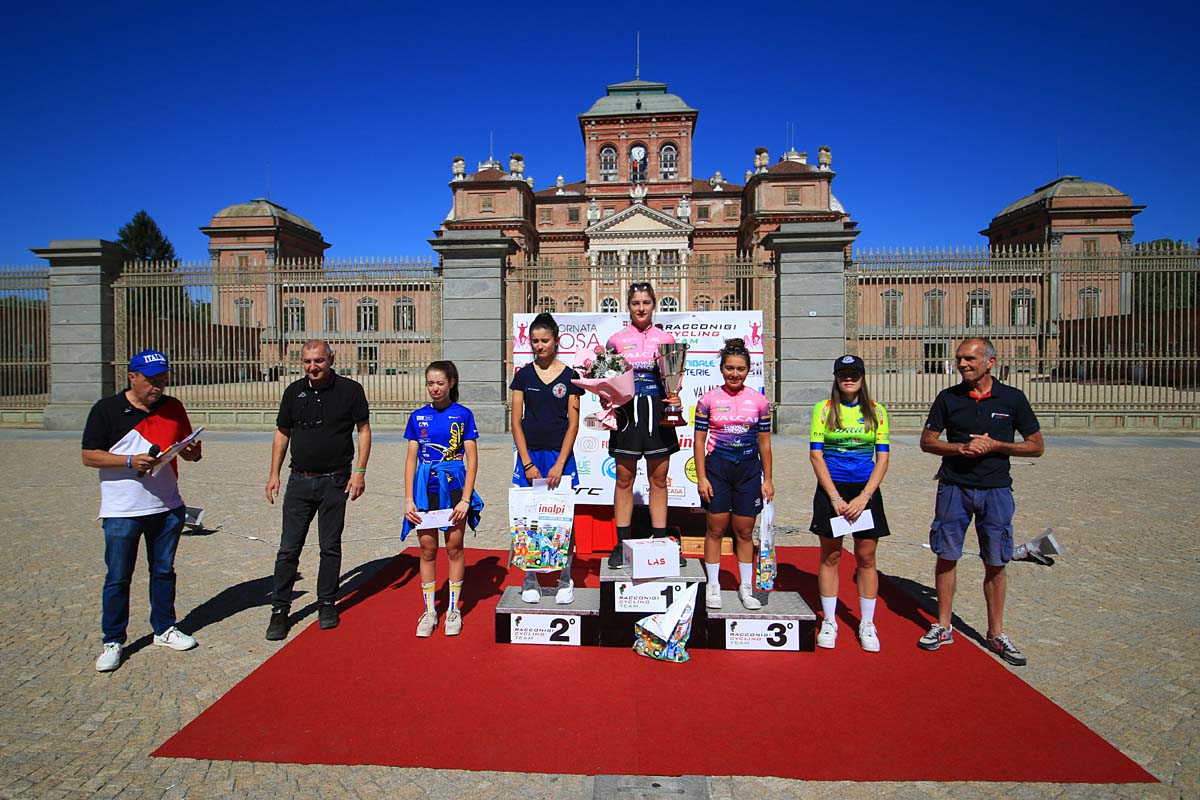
[937, 116]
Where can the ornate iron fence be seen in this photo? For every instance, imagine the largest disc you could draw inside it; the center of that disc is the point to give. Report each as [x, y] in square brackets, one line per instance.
[1086, 332]
[24, 337]
[234, 334]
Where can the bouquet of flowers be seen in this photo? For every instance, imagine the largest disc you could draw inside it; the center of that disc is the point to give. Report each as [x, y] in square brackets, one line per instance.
[608, 376]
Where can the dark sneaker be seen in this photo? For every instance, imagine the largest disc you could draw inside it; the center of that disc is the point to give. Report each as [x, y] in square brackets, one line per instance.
[328, 616]
[936, 637]
[616, 559]
[278, 628]
[1003, 647]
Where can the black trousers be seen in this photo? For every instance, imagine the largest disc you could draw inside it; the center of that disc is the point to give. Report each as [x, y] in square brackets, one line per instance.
[323, 497]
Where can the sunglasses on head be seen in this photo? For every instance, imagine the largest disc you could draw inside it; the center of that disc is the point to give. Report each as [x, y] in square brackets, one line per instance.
[644, 286]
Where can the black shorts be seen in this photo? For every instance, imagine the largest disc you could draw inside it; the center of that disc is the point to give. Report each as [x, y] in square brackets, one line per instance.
[640, 432]
[823, 511]
[434, 498]
[737, 486]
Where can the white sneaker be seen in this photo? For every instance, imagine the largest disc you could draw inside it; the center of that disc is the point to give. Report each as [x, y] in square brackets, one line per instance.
[868, 638]
[565, 594]
[531, 595]
[175, 639]
[110, 657]
[749, 601]
[426, 624]
[828, 635]
[453, 623]
[712, 596]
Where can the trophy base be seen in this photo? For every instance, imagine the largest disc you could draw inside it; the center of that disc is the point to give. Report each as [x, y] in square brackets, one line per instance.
[673, 419]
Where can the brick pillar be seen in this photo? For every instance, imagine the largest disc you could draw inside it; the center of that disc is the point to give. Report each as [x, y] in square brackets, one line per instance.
[82, 341]
[810, 315]
[475, 320]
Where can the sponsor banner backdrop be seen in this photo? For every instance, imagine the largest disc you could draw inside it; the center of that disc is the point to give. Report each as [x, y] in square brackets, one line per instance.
[704, 331]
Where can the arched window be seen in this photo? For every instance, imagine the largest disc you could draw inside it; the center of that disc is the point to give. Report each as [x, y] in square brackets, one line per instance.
[243, 309]
[729, 302]
[668, 160]
[1023, 307]
[574, 303]
[893, 304]
[979, 308]
[609, 305]
[293, 315]
[546, 304]
[329, 313]
[404, 314]
[637, 167]
[935, 308]
[1089, 301]
[368, 314]
[608, 163]
[703, 303]
[668, 303]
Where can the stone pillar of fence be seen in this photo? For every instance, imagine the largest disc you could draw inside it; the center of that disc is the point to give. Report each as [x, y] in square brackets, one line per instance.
[474, 319]
[81, 327]
[811, 321]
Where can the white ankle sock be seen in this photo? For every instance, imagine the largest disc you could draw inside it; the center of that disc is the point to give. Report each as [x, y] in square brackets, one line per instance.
[829, 608]
[746, 573]
[867, 611]
[713, 573]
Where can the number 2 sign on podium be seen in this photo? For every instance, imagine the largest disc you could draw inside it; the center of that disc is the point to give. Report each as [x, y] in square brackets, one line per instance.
[544, 629]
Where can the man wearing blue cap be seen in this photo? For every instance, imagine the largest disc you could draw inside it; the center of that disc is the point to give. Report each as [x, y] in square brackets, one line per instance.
[123, 438]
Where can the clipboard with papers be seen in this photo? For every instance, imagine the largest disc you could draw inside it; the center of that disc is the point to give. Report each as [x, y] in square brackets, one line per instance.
[168, 455]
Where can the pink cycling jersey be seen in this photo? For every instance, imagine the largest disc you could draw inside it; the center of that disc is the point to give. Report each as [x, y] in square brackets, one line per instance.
[640, 349]
[733, 422]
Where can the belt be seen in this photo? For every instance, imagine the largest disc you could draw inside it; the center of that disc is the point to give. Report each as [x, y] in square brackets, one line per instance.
[304, 474]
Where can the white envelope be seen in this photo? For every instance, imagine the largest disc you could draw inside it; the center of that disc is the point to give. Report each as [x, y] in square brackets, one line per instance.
[865, 522]
[435, 519]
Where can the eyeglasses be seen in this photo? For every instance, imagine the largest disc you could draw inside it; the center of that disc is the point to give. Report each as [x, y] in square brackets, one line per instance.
[312, 415]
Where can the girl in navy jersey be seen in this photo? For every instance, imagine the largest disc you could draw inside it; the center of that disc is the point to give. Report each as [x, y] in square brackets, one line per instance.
[545, 421]
[440, 473]
[733, 469]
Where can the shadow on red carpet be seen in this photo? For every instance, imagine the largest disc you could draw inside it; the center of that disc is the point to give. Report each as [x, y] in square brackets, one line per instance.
[370, 692]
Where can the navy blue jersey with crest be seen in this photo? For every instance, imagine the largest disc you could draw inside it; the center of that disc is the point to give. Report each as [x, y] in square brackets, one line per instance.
[545, 406]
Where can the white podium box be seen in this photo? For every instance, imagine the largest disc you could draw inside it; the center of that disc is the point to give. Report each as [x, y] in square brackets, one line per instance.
[784, 624]
[651, 558]
[624, 600]
[546, 622]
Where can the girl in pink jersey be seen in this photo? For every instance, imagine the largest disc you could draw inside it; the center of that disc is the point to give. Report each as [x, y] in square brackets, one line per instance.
[641, 435]
[733, 469]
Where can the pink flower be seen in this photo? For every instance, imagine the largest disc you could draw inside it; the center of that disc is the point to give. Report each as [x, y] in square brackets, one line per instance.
[587, 363]
[599, 350]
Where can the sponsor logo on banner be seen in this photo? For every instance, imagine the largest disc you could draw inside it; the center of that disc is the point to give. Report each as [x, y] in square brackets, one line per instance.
[610, 467]
[559, 629]
[653, 596]
[689, 469]
[761, 634]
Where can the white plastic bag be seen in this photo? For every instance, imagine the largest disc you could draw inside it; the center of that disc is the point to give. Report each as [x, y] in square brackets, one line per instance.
[765, 567]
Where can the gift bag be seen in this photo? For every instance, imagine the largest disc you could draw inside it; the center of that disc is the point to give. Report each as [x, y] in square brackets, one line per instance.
[541, 523]
[765, 567]
[665, 636]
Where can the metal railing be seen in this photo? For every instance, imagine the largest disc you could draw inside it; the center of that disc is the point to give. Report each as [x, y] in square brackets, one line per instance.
[1088, 332]
[24, 337]
[234, 334]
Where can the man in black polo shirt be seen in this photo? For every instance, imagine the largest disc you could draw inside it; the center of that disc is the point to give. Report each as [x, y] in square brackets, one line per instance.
[316, 416]
[980, 417]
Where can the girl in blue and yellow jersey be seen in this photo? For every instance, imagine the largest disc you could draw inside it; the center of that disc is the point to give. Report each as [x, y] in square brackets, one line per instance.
[848, 449]
[439, 472]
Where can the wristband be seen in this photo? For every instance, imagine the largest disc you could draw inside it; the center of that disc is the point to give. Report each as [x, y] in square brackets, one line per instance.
[835, 498]
[128, 462]
[527, 467]
[360, 470]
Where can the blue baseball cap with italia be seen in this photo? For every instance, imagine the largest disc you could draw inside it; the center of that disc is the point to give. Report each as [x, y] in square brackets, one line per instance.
[849, 362]
[149, 363]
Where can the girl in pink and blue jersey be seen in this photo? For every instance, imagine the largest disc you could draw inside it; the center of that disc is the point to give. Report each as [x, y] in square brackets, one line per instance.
[733, 469]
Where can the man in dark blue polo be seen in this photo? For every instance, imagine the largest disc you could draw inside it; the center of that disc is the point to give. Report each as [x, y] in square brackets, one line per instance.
[980, 417]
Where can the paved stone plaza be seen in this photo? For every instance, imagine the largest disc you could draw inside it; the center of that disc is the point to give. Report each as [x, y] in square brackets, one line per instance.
[1111, 630]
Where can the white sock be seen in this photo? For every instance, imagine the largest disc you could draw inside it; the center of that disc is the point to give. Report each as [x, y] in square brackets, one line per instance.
[713, 573]
[829, 608]
[564, 579]
[867, 609]
[746, 573]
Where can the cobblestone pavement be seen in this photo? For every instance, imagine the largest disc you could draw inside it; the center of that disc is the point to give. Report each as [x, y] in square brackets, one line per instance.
[1110, 629]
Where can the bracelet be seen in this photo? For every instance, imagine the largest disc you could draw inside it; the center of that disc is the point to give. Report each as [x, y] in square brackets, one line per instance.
[128, 462]
[527, 467]
[835, 498]
[360, 470]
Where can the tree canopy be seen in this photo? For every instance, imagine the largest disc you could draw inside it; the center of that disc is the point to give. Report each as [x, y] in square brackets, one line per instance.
[144, 240]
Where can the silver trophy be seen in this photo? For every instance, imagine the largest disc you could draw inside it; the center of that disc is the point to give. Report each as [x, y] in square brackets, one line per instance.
[672, 358]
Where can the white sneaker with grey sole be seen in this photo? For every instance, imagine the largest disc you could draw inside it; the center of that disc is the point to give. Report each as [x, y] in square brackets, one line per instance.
[110, 657]
[175, 639]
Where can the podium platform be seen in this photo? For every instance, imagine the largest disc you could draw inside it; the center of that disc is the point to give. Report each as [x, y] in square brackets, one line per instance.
[785, 623]
[623, 601]
[547, 622]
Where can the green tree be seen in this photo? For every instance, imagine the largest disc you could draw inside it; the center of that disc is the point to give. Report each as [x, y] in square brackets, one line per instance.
[144, 240]
[158, 292]
[1167, 276]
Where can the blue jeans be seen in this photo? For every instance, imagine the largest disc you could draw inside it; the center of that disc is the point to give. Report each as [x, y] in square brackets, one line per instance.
[121, 537]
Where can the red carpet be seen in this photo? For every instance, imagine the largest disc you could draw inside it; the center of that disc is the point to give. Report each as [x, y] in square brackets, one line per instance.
[369, 692]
